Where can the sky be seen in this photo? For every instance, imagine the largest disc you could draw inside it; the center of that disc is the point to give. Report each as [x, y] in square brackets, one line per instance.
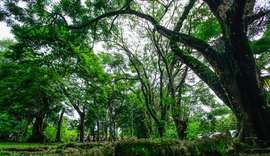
[5, 31]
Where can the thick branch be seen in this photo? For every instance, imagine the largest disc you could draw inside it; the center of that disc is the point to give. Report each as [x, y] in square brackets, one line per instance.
[213, 4]
[188, 40]
[202, 71]
[208, 52]
[114, 13]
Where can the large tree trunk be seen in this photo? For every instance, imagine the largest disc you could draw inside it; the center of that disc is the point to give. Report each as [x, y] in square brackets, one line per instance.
[255, 114]
[236, 68]
[37, 131]
[247, 90]
[59, 126]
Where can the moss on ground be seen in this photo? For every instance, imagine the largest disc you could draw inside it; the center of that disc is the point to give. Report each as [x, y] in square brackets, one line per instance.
[133, 147]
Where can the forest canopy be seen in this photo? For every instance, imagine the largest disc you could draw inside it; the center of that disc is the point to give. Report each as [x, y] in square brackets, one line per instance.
[135, 68]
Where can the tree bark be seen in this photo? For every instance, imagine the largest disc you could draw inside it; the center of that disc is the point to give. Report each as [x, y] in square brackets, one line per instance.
[81, 127]
[246, 92]
[37, 131]
[180, 117]
[142, 124]
[163, 106]
[59, 126]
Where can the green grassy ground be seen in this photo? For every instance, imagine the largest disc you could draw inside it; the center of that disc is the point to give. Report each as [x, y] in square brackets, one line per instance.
[4, 145]
[14, 148]
[53, 149]
[143, 147]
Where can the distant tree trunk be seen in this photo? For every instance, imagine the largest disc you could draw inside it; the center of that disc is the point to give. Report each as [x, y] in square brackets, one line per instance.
[59, 126]
[98, 131]
[37, 131]
[181, 126]
[142, 124]
[93, 132]
[110, 128]
[114, 130]
[111, 133]
[148, 122]
[82, 125]
[144, 131]
[163, 115]
[180, 117]
[105, 130]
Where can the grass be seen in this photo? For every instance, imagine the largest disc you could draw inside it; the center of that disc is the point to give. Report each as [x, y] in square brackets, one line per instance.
[6, 145]
[49, 149]
[132, 147]
[17, 148]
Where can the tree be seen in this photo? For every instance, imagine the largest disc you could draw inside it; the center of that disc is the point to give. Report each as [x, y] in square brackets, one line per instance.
[124, 98]
[59, 126]
[27, 91]
[230, 61]
[229, 79]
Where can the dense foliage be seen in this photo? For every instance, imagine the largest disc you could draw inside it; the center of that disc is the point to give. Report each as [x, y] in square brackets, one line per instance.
[112, 70]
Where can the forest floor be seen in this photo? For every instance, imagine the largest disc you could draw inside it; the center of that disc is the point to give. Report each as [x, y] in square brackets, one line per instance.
[16, 148]
[127, 147]
[48, 149]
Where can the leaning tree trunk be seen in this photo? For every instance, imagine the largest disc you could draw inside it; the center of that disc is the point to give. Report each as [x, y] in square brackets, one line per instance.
[59, 126]
[236, 68]
[247, 91]
[37, 131]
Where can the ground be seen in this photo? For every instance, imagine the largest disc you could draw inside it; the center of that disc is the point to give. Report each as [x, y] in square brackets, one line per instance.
[161, 147]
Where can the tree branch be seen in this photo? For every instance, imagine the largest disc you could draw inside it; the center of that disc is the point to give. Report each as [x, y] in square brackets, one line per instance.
[252, 18]
[184, 15]
[202, 71]
[188, 40]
